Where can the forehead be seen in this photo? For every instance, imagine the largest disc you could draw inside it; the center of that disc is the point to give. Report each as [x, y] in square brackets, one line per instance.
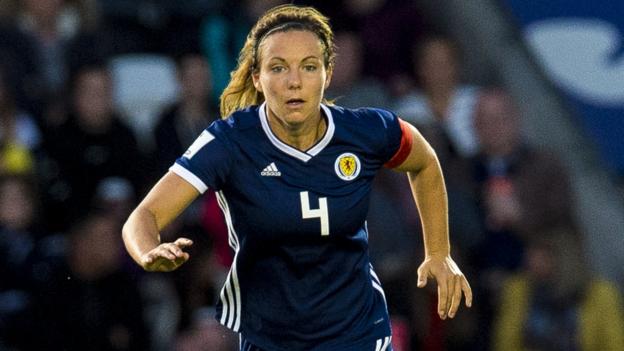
[292, 44]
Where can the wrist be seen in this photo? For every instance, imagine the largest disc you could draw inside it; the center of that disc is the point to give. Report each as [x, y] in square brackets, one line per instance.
[437, 253]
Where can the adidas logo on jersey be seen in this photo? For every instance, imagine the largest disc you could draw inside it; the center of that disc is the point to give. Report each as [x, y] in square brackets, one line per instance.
[271, 171]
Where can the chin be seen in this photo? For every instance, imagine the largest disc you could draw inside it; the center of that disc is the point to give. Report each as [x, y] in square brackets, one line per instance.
[294, 117]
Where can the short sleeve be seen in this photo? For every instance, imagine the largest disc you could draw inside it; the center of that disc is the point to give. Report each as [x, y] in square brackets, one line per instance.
[405, 146]
[390, 133]
[206, 163]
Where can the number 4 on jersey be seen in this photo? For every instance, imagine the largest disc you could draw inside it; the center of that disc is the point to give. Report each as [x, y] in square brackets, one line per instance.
[320, 212]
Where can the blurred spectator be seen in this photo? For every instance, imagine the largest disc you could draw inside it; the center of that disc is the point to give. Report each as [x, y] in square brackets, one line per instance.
[442, 101]
[92, 145]
[41, 38]
[348, 86]
[18, 54]
[181, 123]
[116, 196]
[23, 245]
[155, 26]
[19, 205]
[555, 302]
[521, 192]
[50, 24]
[93, 304]
[386, 28]
[16, 125]
[19, 134]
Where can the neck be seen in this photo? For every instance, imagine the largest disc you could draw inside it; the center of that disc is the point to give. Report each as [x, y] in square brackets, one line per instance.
[301, 136]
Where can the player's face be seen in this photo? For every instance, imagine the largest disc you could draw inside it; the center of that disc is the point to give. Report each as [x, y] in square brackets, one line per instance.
[292, 75]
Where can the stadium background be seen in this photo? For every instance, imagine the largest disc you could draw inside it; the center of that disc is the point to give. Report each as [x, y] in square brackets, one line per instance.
[97, 98]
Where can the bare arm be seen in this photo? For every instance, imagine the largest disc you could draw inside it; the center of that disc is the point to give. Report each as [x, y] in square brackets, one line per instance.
[141, 232]
[427, 184]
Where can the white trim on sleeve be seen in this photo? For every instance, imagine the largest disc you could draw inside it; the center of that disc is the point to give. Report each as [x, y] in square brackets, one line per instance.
[189, 177]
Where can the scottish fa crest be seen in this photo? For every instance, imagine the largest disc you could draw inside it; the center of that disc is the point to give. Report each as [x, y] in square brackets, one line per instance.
[347, 166]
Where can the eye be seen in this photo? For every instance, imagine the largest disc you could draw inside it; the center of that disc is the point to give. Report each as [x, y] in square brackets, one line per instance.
[277, 69]
[310, 68]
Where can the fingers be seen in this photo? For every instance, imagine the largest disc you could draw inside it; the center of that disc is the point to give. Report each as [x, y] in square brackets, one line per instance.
[457, 294]
[174, 250]
[442, 297]
[164, 265]
[422, 277]
[467, 291]
[451, 284]
[167, 256]
[176, 247]
[183, 242]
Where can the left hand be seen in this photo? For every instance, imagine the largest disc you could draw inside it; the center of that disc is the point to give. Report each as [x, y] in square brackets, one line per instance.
[451, 283]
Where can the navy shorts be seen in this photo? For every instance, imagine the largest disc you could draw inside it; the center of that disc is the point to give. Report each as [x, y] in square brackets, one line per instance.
[383, 344]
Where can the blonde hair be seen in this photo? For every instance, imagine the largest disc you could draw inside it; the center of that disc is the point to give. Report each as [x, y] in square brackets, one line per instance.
[240, 91]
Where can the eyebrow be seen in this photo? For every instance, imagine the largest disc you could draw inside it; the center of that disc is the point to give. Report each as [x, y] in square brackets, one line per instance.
[304, 59]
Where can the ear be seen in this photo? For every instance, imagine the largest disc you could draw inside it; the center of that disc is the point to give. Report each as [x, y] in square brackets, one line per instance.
[330, 71]
[255, 76]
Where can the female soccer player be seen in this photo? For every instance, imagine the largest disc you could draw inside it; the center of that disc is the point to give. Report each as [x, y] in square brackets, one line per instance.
[293, 177]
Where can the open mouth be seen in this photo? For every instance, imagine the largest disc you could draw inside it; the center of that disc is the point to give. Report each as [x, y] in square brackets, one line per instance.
[295, 102]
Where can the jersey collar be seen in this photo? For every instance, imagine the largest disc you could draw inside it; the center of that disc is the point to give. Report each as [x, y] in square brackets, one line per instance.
[303, 156]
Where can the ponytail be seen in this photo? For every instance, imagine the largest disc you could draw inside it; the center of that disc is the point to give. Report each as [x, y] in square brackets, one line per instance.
[240, 91]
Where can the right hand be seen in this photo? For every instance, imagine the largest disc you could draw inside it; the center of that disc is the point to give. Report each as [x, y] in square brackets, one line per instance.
[166, 257]
[451, 283]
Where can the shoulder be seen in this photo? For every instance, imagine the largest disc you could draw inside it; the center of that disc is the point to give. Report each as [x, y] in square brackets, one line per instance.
[375, 129]
[363, 116]
[237, 122]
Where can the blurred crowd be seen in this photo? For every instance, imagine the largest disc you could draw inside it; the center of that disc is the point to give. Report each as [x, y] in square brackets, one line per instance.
[98, 98]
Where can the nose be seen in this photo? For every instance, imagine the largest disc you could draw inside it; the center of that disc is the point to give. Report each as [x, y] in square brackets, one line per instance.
[294, 79]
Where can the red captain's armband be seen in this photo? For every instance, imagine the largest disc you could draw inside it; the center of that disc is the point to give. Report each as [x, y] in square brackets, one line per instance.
[404, 148]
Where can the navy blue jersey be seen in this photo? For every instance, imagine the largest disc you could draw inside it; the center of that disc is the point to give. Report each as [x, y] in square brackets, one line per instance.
[301, 277]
